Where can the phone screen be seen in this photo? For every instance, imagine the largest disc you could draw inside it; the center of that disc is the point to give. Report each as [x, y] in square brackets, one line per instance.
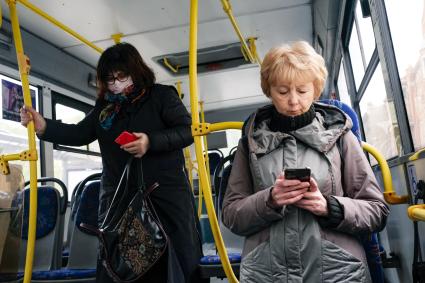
[302, 174]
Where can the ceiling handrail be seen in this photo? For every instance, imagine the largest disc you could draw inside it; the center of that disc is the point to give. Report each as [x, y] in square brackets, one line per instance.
[228, 10]
[55, 22]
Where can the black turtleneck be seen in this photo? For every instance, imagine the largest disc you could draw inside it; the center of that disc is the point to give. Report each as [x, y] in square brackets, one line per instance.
[283, 123]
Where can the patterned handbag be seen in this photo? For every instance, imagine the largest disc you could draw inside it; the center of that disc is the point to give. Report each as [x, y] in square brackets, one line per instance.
[131, 237]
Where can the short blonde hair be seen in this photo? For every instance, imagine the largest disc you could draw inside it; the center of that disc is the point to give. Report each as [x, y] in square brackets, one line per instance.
[293, 62]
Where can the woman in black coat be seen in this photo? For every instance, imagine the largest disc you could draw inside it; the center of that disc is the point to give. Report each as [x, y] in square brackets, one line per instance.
[129, 100]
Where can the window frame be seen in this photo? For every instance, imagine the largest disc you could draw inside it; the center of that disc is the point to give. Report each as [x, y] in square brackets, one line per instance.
[384, 54]
[58, 98]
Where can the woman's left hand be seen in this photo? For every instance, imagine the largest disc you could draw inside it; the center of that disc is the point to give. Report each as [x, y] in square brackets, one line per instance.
[313, 200]
[138, 147]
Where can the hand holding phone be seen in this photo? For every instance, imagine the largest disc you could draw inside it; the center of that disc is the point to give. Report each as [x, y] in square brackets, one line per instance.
[125, 137]
[302, 174]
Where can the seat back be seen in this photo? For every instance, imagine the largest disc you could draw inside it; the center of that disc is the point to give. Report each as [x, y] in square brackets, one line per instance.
[75, 203]
[87, 212]
[349, 111]
[214, 158]
[48, 228]
[233, 242]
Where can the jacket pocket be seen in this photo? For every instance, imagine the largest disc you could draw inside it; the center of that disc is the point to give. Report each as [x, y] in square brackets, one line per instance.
[256, 265]
[340, 266]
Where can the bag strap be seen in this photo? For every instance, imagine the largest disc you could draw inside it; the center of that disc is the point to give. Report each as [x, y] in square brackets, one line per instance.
[123, 185]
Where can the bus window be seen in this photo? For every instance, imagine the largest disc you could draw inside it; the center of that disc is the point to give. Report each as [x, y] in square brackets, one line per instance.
[73, 163]
[379, 120]
[365, 30]
[71, 115]
[410, 55]
[344, 96]
[361, 45]
[13, 136]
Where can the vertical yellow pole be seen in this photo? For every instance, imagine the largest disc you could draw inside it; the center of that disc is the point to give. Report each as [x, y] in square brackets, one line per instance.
[207, 159]
[207, 162]
[23, 63]
[193, 41]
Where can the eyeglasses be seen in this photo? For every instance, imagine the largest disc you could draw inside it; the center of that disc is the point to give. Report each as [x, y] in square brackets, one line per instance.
[121, 77]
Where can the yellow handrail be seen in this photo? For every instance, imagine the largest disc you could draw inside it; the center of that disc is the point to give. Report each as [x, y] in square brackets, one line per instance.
[31, 154]
[207, 160]
[389, 194]
[171, 67]
[416, 212]
[49, 18]
[253, 48]
[228, 10]
[193, 79]
[416, 155]
[116, 37]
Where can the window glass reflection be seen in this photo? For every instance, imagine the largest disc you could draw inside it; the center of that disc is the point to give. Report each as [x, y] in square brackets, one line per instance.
[409, 49]
[356, 57]
[72, 168]
[378, 115]
[366, 33]
[344, 96]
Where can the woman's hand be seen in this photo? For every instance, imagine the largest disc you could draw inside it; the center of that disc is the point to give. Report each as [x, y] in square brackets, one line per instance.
[313, 200]
[29, 114]
[138, 147]
[285, 192]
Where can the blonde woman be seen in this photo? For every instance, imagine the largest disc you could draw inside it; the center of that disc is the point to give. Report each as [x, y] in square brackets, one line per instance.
[301, 230]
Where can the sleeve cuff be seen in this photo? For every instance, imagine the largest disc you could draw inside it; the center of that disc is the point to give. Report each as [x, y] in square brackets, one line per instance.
[267, 212]
[335, 213]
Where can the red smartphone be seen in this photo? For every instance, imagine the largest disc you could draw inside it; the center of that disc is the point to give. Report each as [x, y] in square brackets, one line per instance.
[125, 137]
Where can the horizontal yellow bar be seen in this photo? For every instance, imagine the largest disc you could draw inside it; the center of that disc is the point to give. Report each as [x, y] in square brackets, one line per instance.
[416, 155]
[416, 212]
[11, 157]
[225, 126]
[59, 24]
[389, 194]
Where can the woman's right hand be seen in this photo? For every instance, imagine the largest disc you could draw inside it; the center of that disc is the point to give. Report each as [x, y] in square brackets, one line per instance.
[286, 192]
[29, 114]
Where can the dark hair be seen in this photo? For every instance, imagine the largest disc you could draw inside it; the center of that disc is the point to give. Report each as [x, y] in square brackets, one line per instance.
[123, 57]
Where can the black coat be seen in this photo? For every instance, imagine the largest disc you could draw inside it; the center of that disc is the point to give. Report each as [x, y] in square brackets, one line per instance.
[162, 116]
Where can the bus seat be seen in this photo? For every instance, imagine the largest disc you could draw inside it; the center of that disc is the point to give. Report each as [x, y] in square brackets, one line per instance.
[75, 202]
[81, 266]
[214, 157]
[349, 111]
[86, 213]
[210, 265]
[370, 242]
[48, 232]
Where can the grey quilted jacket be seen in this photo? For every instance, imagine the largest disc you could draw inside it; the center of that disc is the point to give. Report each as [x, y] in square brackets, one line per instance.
[289, 245]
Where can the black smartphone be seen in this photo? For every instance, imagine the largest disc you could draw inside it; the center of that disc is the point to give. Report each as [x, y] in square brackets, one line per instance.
[302, 174]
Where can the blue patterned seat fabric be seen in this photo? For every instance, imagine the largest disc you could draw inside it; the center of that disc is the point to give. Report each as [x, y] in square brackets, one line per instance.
[88, 206]
[47, 211]
[215, 259]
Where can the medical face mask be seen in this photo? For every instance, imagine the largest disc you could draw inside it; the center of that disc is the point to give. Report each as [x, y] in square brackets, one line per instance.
[119, 85]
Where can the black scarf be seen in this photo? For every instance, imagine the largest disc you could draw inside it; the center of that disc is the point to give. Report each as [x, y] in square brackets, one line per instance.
[282, 123]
